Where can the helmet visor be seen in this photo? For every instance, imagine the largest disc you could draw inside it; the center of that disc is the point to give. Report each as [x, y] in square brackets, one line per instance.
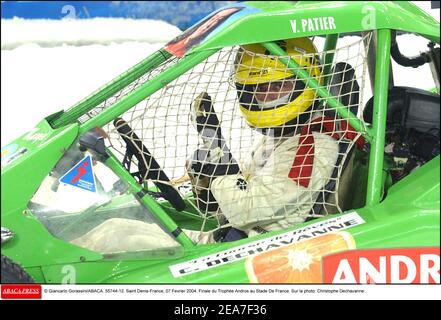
[269, 95]
[272, 94]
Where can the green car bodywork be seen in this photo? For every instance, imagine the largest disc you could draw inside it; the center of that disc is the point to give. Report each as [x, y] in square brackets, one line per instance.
[405, 214]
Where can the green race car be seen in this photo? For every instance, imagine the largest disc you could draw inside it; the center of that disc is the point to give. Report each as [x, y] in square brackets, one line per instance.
[103, 192]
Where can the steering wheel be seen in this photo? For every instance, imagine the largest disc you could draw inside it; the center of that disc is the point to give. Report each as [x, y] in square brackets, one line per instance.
[147, 165]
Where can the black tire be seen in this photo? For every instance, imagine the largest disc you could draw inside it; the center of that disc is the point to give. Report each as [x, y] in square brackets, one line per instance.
[13, 273]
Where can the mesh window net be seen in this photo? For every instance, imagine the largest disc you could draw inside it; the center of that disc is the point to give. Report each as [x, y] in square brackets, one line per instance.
[256, 155]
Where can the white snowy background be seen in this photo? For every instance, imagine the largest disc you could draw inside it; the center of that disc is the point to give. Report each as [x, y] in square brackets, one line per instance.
[49, 65]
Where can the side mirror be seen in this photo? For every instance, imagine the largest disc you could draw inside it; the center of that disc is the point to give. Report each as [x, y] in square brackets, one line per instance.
[94, 140]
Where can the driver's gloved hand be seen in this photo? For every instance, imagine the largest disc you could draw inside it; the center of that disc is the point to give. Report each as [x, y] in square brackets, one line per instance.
[202, 171]
[207, 124]
[211, 161]
[203, 115]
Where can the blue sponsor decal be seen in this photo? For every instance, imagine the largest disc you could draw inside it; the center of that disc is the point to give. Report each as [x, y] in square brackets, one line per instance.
[81, 176]
[244, 11]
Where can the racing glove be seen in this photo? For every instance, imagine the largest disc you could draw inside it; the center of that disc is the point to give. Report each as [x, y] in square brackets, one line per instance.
[214, 159]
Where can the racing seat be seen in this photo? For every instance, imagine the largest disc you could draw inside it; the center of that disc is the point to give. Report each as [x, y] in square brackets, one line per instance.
[343, 84]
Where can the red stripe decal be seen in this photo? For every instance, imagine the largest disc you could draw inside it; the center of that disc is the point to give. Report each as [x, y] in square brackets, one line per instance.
[301, 169]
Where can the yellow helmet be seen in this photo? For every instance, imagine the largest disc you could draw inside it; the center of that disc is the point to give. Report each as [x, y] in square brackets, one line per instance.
[268, 92]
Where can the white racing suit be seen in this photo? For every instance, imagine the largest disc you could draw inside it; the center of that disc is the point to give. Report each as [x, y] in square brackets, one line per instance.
[271, 193]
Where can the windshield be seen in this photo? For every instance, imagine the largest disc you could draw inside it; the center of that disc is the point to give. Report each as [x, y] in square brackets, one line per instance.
[84, 202]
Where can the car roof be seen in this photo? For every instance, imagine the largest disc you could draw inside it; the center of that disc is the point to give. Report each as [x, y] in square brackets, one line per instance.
[261, 21]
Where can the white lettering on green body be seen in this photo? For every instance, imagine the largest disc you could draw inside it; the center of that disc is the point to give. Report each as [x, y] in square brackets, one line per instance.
[313, 24]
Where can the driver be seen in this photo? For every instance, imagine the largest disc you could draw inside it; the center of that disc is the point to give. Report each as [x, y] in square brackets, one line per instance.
[277, 186]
